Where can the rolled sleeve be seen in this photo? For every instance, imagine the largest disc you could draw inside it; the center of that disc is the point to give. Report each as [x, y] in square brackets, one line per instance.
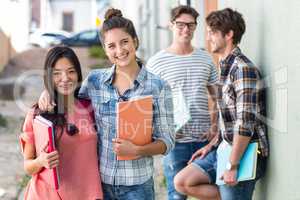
[27, 135]
[163, 119]
[247, 96]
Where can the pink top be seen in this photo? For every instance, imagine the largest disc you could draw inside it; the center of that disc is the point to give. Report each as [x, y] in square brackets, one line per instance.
[78, 161]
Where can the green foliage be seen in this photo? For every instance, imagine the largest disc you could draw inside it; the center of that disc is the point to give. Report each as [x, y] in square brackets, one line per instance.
[163, 182]
[3, 121]
[97, 52]
[99, 66]
[23, 181]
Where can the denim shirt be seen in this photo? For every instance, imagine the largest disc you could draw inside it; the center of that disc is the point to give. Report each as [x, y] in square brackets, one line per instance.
[104, 96]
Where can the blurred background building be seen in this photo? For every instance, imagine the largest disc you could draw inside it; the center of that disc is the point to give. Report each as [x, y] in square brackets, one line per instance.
[14, 28]
[27, 21]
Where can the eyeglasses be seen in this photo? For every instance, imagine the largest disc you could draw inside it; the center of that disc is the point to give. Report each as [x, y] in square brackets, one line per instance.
[181, 25]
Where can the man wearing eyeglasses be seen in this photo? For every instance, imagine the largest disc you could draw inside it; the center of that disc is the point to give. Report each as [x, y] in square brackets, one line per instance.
[191, 73]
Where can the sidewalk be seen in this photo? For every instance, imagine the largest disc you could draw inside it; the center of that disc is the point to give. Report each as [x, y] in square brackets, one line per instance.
[11, 161]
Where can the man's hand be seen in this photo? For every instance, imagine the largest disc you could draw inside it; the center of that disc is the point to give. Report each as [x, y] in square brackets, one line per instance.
[230, 177]
[201, 153]
[211, 133]
[44, 102]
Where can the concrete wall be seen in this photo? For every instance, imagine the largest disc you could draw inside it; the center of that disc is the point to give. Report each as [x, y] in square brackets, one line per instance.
[272, 41]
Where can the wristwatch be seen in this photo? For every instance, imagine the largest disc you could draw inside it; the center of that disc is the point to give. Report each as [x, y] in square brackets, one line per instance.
[230, 166]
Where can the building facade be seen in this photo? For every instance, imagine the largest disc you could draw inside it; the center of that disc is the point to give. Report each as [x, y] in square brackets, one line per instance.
[14, 28]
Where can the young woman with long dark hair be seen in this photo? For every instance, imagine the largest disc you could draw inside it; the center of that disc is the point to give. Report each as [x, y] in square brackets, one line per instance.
[76, 138]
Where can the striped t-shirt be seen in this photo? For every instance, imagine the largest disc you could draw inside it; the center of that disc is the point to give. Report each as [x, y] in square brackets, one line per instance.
[188, 75]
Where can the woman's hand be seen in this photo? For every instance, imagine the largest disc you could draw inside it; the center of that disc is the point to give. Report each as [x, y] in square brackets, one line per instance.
[201, 153]
[125, 148]
[44, 102]
[48, 160]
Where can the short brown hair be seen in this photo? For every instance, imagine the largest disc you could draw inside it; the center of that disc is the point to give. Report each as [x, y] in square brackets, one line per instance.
[182, 9]
[226, 20]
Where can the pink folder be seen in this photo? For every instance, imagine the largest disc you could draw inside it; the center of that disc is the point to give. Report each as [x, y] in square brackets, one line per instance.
[43, 133]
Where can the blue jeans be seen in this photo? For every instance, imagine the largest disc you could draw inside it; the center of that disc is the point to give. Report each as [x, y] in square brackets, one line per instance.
[208, 165]
[175, 161]
[143, 191]
[243, 190]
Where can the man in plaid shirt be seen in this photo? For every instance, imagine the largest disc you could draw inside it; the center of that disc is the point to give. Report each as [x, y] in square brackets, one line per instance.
[241, 100]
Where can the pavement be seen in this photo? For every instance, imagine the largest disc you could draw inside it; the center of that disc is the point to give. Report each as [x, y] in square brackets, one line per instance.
[11, 161]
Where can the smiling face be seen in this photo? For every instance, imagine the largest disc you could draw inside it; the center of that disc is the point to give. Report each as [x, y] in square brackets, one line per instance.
[120, 47]
[64, 77]
[183, 28]
[216, 40]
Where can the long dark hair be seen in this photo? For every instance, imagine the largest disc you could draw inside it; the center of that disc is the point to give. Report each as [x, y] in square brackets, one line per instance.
[57, 116]
[52, 57]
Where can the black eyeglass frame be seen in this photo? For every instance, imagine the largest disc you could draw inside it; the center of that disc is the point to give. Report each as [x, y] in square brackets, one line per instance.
[182, 25]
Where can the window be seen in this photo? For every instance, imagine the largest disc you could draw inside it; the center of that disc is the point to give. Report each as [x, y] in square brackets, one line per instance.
[68, 20]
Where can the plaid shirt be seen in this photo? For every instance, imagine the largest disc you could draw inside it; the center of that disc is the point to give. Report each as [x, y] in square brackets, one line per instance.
[98, 87]
[241, 98]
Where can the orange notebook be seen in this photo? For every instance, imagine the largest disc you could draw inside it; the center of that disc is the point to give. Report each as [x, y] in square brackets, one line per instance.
[43, 133]
[134, 122]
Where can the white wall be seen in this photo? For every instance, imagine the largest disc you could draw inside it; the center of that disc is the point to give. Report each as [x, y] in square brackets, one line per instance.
[84, 13]
[130, 10]
[272, 41]
[199, 36]
[14, 22]
[152, 24]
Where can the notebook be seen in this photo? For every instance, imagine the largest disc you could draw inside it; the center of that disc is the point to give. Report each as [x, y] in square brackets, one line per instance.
[134, 121]
[248, 162]
[43, 133]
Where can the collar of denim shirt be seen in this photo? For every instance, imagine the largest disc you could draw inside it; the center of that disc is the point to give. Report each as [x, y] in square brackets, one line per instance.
[140, 79]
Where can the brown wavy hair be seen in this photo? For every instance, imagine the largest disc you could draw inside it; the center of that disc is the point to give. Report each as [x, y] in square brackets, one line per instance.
[226, 20]
[183, 9]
